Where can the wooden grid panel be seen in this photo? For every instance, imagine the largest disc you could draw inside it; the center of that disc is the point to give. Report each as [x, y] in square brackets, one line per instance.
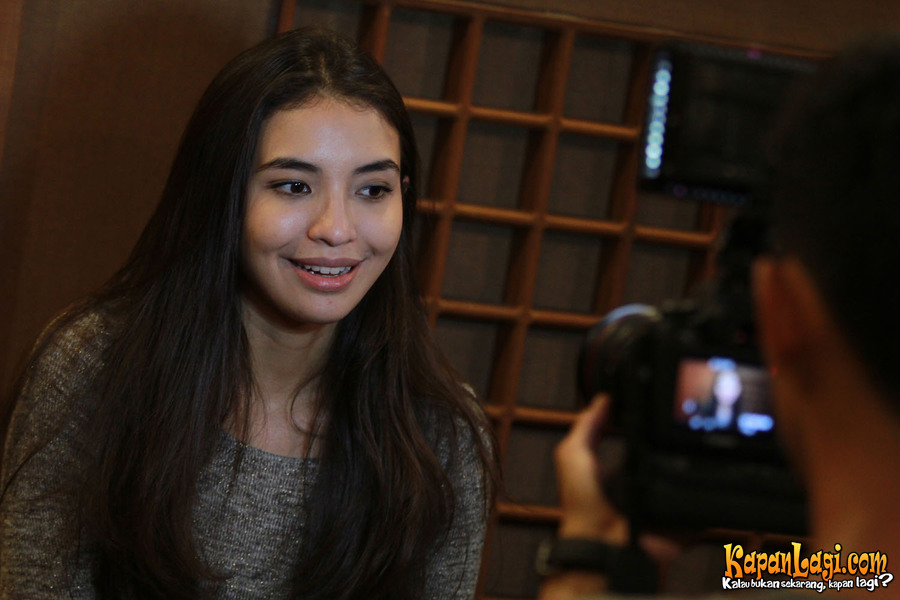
[504, 322]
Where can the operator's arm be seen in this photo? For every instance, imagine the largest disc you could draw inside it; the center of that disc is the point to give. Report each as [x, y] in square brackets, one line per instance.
[587, 514]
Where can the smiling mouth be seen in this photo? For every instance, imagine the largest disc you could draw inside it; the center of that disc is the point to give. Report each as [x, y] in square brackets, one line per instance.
[324, 271]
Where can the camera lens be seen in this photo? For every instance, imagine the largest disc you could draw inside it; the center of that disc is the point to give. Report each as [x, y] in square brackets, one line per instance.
[610, 345]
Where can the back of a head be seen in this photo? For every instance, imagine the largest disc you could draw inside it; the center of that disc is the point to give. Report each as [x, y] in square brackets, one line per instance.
[835, 198]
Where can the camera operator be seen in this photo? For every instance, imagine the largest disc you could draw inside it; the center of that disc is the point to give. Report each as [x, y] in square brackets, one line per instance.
[828, 315]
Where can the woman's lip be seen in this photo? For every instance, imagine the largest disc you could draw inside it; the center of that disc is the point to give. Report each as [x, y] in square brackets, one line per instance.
[325, 262]
[325, 283]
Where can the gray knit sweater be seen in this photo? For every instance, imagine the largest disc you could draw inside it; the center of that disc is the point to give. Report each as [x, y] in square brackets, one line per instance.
[248, 527]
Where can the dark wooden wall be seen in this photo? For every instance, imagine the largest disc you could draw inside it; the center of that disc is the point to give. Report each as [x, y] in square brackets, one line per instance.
[101, 92]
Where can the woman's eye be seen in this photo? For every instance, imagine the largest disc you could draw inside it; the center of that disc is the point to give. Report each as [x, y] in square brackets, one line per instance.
[292, 188]
[375, 191]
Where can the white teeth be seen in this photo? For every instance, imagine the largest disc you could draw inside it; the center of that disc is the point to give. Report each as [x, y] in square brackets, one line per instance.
[326, 271]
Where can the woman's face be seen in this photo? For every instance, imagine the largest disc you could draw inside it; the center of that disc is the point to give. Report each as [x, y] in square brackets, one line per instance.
[324, 211]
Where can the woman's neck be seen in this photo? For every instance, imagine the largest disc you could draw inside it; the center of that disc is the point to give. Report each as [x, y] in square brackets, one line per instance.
[285, 363]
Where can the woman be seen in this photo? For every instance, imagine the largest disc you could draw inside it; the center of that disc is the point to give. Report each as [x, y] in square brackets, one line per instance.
[253, 406]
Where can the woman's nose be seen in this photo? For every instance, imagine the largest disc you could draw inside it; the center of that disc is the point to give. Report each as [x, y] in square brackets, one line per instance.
[333, 223]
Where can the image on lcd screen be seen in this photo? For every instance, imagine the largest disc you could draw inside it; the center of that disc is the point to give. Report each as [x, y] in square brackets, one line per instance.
[718, 394]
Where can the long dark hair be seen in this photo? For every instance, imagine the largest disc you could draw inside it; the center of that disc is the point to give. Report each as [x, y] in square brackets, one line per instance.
[177, 367]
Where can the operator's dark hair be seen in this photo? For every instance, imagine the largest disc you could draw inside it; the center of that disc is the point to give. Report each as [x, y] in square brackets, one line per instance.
[177, 368]
[837, 195]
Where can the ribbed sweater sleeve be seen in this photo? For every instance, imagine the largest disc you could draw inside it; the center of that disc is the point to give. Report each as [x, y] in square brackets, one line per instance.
[41, 443]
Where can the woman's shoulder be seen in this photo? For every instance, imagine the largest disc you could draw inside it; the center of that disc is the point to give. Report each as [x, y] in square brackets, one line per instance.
[60, 372]
[69, 351]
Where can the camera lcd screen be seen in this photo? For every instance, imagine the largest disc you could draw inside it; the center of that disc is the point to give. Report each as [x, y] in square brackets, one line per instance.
[718, 394]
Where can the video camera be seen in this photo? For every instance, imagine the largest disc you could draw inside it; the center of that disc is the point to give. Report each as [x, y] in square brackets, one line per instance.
[689, 388]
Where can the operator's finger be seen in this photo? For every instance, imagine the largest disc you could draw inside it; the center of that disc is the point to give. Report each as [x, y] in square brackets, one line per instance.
[663, 549]
[590, 419]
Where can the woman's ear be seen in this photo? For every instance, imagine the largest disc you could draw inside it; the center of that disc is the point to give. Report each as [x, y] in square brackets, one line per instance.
[404, 184]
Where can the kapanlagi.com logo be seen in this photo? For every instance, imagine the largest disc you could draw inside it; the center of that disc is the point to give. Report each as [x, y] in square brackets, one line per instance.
[819, 571]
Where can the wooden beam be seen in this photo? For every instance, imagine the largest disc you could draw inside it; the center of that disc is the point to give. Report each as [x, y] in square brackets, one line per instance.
[10, 24]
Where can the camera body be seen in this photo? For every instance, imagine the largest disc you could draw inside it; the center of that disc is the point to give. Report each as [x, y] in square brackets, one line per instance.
[691, 395]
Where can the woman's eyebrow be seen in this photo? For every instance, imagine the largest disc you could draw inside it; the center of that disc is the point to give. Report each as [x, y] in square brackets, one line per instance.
[379, 165]
[294, 164]
[288, 163]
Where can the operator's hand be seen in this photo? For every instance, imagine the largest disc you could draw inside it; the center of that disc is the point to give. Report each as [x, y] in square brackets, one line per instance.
[586, 511]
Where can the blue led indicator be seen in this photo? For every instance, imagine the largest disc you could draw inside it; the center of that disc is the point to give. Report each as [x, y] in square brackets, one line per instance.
[659, 102]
